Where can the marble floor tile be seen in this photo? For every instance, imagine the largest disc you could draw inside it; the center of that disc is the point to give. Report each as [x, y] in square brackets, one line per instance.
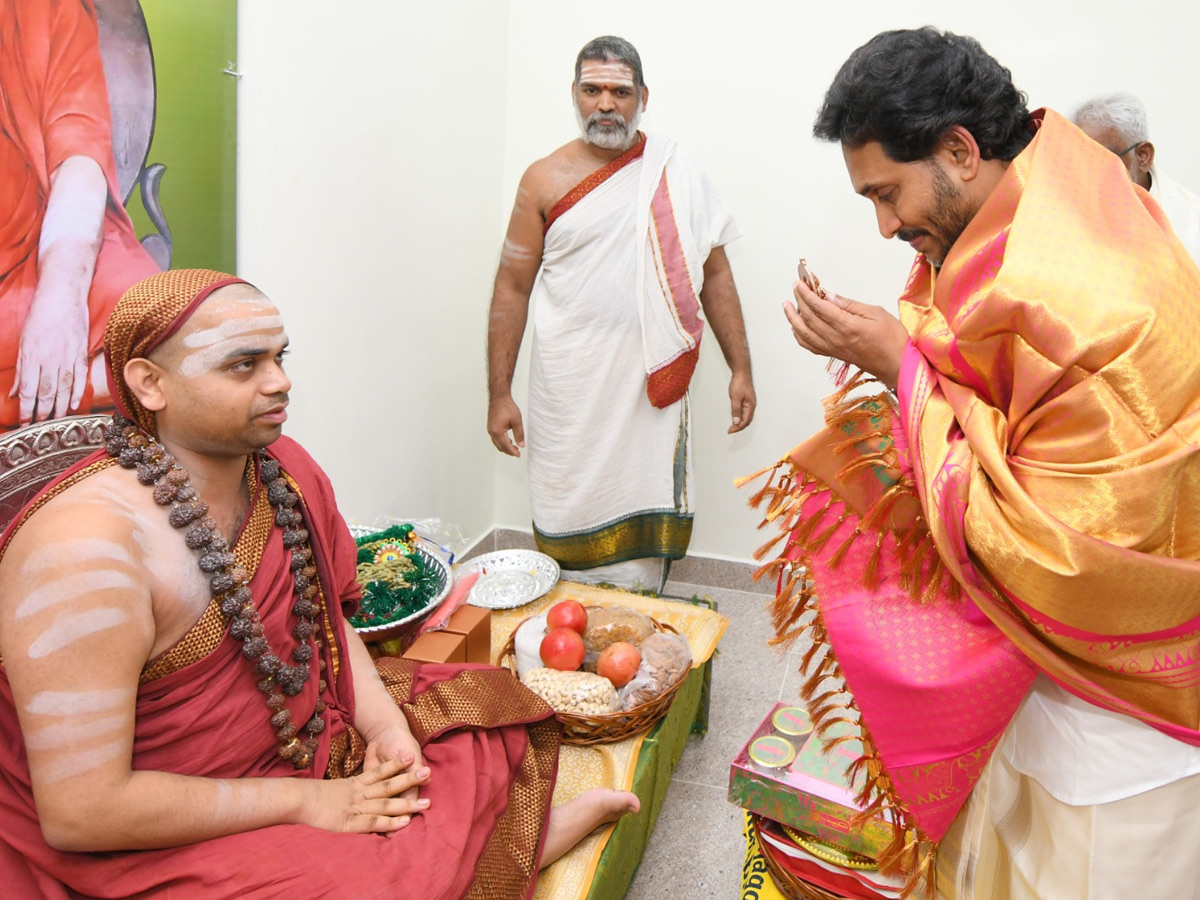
[717, 573]
[747, 676]
[696, 851]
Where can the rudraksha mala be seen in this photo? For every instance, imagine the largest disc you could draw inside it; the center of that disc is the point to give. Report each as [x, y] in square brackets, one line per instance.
[230, 583]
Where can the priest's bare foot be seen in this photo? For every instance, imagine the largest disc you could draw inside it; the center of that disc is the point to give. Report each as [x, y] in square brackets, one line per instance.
[575, 819]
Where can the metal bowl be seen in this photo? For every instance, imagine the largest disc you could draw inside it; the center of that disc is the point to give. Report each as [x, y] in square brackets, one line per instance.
[385, 631]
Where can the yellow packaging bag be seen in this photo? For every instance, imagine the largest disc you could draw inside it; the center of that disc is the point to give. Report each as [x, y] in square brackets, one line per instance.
[757, 883]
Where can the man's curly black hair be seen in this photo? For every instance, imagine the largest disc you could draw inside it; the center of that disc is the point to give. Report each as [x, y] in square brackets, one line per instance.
[905, 89]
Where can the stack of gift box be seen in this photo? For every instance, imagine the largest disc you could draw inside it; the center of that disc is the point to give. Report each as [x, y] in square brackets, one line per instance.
[802, 798]
[466, 638]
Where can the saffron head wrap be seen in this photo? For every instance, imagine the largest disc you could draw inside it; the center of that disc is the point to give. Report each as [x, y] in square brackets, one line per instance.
[149, 313]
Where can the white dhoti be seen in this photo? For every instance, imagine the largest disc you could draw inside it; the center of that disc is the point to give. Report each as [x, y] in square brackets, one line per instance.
[1077, 803]
[610, 473]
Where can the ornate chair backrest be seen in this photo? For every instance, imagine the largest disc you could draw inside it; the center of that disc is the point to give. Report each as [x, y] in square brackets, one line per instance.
[32, 456]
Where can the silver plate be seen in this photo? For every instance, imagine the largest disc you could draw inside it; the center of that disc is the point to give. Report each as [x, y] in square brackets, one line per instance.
[510, 578]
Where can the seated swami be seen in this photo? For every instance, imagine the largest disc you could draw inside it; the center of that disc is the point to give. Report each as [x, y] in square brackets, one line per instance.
[186, 710]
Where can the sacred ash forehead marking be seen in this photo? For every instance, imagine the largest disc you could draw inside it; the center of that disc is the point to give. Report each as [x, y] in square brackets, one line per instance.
[68, 588]
[231, 328]
[614, 73]
[210, 357]
[72, 732]
[67, 628]
[76, 703]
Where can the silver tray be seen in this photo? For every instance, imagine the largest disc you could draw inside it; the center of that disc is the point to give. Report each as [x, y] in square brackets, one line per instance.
[386, 630]
[510, 578]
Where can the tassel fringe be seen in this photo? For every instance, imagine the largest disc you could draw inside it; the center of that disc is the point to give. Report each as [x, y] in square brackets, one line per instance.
[838, 370]
[908, 852]
[795, 612]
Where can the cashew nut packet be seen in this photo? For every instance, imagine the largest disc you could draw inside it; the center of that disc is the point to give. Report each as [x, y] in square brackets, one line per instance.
[580, 693]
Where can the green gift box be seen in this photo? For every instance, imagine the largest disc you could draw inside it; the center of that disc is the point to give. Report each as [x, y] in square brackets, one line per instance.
[814, 793]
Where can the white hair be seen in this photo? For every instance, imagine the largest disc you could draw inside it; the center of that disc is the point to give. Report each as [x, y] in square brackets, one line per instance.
[1123, 113]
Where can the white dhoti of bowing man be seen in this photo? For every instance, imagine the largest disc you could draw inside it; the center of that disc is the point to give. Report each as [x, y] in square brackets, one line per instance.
[1068, 788]
[617, 322]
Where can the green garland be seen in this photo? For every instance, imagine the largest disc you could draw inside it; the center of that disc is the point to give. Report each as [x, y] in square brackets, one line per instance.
[396, 580]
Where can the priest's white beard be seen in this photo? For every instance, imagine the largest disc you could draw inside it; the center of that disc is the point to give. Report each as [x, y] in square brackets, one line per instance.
[618, 136]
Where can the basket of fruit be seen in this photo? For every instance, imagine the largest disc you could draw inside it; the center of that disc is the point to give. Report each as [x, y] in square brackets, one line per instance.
[608, 672]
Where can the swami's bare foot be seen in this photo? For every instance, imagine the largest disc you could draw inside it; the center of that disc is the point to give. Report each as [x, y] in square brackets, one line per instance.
[575, 819]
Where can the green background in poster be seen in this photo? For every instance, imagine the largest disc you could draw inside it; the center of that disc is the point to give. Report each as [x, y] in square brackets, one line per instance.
[195, 129]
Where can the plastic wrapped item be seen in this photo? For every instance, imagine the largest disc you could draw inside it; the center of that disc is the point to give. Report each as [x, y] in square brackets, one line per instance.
[527, 642]
[666, 659]
[437, 538]
[457, 597]
[444, 538]
[609, 625]
[579, 693]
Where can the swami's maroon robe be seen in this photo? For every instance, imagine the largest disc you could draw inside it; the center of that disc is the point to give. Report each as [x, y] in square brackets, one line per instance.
[206, 717]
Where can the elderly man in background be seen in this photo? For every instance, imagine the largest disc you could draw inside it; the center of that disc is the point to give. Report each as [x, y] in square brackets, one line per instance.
[1002, 559]
[1118, 122]
[627, 235]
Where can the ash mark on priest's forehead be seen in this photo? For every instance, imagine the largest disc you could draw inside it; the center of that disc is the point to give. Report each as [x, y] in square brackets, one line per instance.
[231, 328]
[613, 74]
[211, 357]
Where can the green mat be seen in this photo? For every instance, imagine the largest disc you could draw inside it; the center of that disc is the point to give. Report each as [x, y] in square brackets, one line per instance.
[656, 761]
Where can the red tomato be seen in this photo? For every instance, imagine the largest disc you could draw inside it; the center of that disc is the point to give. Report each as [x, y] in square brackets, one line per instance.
[567, 614]
[619, 663]
[562, 648]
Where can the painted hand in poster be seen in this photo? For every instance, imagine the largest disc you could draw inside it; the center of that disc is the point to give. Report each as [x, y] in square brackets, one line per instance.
[52, 358]
[68, 250]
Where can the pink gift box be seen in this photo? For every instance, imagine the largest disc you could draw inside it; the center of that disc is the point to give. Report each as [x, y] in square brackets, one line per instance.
[814, 793]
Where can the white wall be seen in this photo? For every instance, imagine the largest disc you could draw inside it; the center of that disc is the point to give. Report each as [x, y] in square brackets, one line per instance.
[739, 85]
[368, 170]
[380, 149]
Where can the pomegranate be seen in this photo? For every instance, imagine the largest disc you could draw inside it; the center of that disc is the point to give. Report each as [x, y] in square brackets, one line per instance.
[619, 662]
[562, 648]
[567, 614]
